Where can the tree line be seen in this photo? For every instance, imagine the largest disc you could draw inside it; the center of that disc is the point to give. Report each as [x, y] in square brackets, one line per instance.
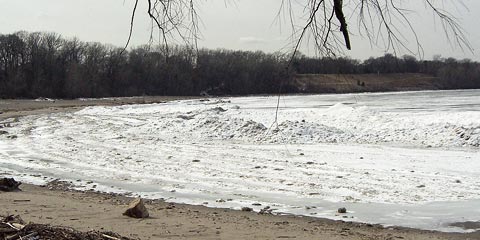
[38, 64]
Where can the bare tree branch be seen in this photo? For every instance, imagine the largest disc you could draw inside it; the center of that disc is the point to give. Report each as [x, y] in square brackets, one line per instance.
[174, 19]
[338, 7]
[131, 27]
[384, 22]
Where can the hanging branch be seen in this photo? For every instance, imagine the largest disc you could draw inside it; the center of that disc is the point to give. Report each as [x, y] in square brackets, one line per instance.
[338, 7]
[131, 27]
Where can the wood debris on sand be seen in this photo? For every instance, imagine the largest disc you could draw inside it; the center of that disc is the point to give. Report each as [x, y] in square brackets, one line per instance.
[13, 228]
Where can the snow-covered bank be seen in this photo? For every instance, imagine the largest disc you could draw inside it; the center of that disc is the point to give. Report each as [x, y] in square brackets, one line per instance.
[400, 152]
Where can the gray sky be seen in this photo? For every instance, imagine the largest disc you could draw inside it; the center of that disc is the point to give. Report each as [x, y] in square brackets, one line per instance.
[245, 24]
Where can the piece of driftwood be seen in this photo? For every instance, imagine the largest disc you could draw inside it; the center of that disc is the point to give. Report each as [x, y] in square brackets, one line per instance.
[110, 237]
[6, 229]
[16, 226]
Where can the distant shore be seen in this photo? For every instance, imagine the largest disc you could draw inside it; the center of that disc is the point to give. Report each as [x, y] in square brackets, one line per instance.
[356, 83]
[90, 210]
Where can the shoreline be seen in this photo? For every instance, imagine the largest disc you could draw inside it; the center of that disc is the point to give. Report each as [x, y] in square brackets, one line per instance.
[13, 108]
[60, 206]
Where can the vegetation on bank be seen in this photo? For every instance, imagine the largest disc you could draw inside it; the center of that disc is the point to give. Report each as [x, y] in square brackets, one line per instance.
[47, 65]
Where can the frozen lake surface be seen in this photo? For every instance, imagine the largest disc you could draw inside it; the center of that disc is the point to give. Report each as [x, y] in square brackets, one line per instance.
[409, 159]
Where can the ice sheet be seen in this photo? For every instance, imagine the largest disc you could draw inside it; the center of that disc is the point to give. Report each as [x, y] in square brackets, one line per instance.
[413, 158]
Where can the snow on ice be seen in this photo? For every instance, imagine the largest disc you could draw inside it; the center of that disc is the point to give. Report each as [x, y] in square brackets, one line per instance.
[407, 155]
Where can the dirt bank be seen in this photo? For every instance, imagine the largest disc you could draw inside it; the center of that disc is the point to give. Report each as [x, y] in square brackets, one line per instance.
[348, 83]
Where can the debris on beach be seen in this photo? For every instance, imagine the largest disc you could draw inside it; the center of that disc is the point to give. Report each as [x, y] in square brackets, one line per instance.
[137, 209]
[247, 209]
[9, 185]
[13, 227]
[266, 210]
[342, 210]
[60, 185]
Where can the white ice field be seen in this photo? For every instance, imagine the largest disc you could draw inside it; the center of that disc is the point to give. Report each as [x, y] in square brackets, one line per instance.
[410, 159]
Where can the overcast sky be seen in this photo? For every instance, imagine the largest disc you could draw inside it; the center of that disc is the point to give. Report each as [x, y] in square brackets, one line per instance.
[244, 24]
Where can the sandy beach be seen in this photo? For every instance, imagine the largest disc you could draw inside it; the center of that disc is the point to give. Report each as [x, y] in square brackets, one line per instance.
[56, 204]
[87, 211]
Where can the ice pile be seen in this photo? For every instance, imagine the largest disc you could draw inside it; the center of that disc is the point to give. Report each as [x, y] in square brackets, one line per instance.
[212, 120]
[371, 152]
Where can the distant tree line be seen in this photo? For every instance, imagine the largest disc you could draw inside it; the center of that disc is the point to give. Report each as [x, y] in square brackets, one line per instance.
[46, 65]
